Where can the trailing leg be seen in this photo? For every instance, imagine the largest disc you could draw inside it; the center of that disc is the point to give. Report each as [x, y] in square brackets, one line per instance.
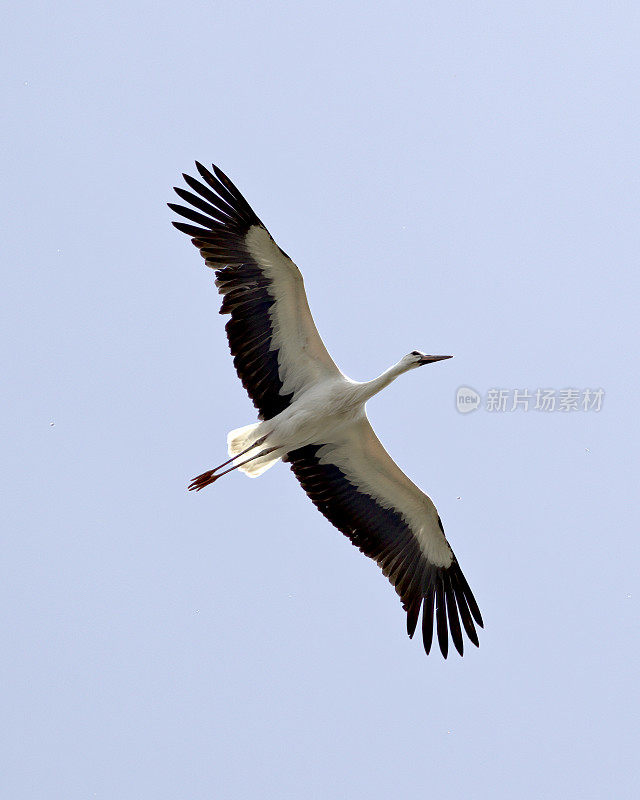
[210, 477]
[257, 443]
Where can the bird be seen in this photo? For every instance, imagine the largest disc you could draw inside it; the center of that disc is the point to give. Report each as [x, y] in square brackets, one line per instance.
[313, 417]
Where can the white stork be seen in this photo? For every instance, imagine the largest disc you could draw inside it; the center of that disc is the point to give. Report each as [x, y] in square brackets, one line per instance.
[312, 416]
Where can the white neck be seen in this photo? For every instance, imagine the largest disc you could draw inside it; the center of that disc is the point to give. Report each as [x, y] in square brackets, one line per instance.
[370, 388]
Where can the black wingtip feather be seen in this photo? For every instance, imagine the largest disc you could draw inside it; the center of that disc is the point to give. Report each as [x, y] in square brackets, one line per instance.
[190, 230]
[228, 184]
[194, 216]
[427, 619]
[471, 600]
[441, 619]
[463, 608]
[452, 613]
[216, 214]
[211, 197]
[232, 198]
[229, 193]
[413, 612]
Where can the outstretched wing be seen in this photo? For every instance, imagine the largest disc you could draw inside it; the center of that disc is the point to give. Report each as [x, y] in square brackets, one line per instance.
[356, 484]
[277, 350]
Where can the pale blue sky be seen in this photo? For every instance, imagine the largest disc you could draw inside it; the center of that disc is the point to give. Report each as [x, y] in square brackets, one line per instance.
[456, 177]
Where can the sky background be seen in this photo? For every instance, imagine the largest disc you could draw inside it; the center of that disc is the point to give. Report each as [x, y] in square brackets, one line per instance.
[451, 177]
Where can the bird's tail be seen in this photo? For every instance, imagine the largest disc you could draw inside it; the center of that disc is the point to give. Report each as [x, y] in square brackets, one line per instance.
[240, 439]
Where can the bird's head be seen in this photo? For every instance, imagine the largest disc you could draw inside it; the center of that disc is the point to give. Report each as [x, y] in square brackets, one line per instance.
[418, 359]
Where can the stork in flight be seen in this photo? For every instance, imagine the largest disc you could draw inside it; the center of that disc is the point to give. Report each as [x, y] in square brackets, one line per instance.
[313, 417]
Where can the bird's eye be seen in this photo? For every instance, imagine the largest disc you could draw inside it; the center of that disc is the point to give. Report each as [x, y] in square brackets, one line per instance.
[415, 353]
